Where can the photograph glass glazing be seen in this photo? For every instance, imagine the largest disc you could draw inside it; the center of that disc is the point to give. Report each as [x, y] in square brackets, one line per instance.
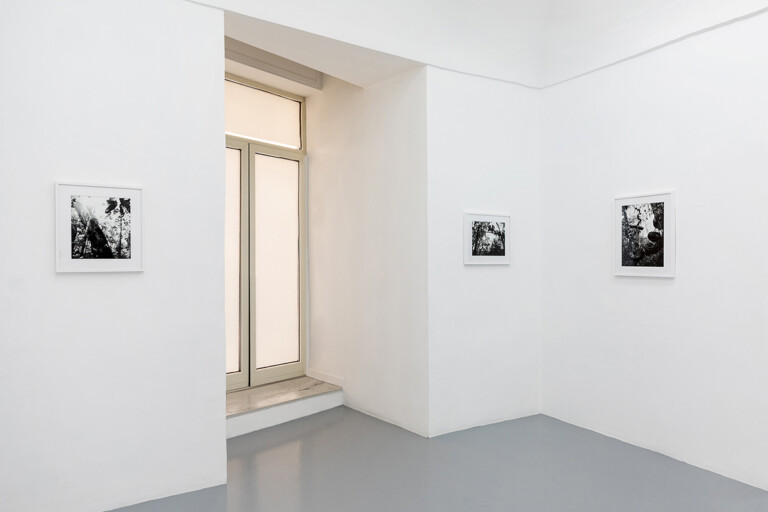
[488, 238]
[100, 227]
[642, 235]
[645, 235]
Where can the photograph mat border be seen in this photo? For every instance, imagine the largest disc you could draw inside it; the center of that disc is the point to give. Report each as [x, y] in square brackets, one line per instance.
[669, 198]
[64, 261]
[469, 259]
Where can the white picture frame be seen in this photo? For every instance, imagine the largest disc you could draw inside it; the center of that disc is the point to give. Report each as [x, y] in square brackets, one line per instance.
[481, 244]
[645, 235]
[98, 228]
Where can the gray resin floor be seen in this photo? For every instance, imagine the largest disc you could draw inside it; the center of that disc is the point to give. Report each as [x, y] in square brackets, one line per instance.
[344, 461]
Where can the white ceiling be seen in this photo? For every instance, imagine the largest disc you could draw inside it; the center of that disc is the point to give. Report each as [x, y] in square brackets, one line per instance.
[533, 42]
[584, 35]
[353, 64]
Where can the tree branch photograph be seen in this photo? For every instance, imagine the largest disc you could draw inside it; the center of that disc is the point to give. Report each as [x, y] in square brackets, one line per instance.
[488, 238]
[642, 235]
[485, 239]
[98, 228]
[645, 236]
[101, 227]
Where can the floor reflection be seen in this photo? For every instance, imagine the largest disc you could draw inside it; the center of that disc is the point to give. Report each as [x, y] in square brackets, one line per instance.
[342, 460]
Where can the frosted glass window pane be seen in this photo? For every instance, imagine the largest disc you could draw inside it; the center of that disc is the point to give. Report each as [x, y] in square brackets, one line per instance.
[232, 259]
[276, 260]
[262, 116]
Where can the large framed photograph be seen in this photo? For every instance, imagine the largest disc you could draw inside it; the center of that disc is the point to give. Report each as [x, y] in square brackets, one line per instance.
[645, 235]
[98, 228]
[485, 239]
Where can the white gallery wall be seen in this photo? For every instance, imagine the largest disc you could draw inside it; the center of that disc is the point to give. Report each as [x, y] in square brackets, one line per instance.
[367, 167]
[369, 201]
[114, 382]
[484, 320]
[111, 385]
[674, 365]
[600, 33]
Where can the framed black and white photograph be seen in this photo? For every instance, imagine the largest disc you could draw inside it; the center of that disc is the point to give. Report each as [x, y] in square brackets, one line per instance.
[485, 239]
[645, 235]
[98, 228]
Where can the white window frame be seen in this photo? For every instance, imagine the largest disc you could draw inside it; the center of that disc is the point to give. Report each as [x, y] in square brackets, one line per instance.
[249, 375]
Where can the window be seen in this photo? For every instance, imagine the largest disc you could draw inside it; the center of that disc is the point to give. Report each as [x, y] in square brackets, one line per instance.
[265, 234]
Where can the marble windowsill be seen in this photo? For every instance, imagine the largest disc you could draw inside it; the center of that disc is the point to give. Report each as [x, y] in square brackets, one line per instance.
[253, 399]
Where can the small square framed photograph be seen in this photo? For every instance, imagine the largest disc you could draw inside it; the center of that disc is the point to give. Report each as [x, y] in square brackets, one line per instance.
[98, 228]
[644, 232]
[485, 239]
